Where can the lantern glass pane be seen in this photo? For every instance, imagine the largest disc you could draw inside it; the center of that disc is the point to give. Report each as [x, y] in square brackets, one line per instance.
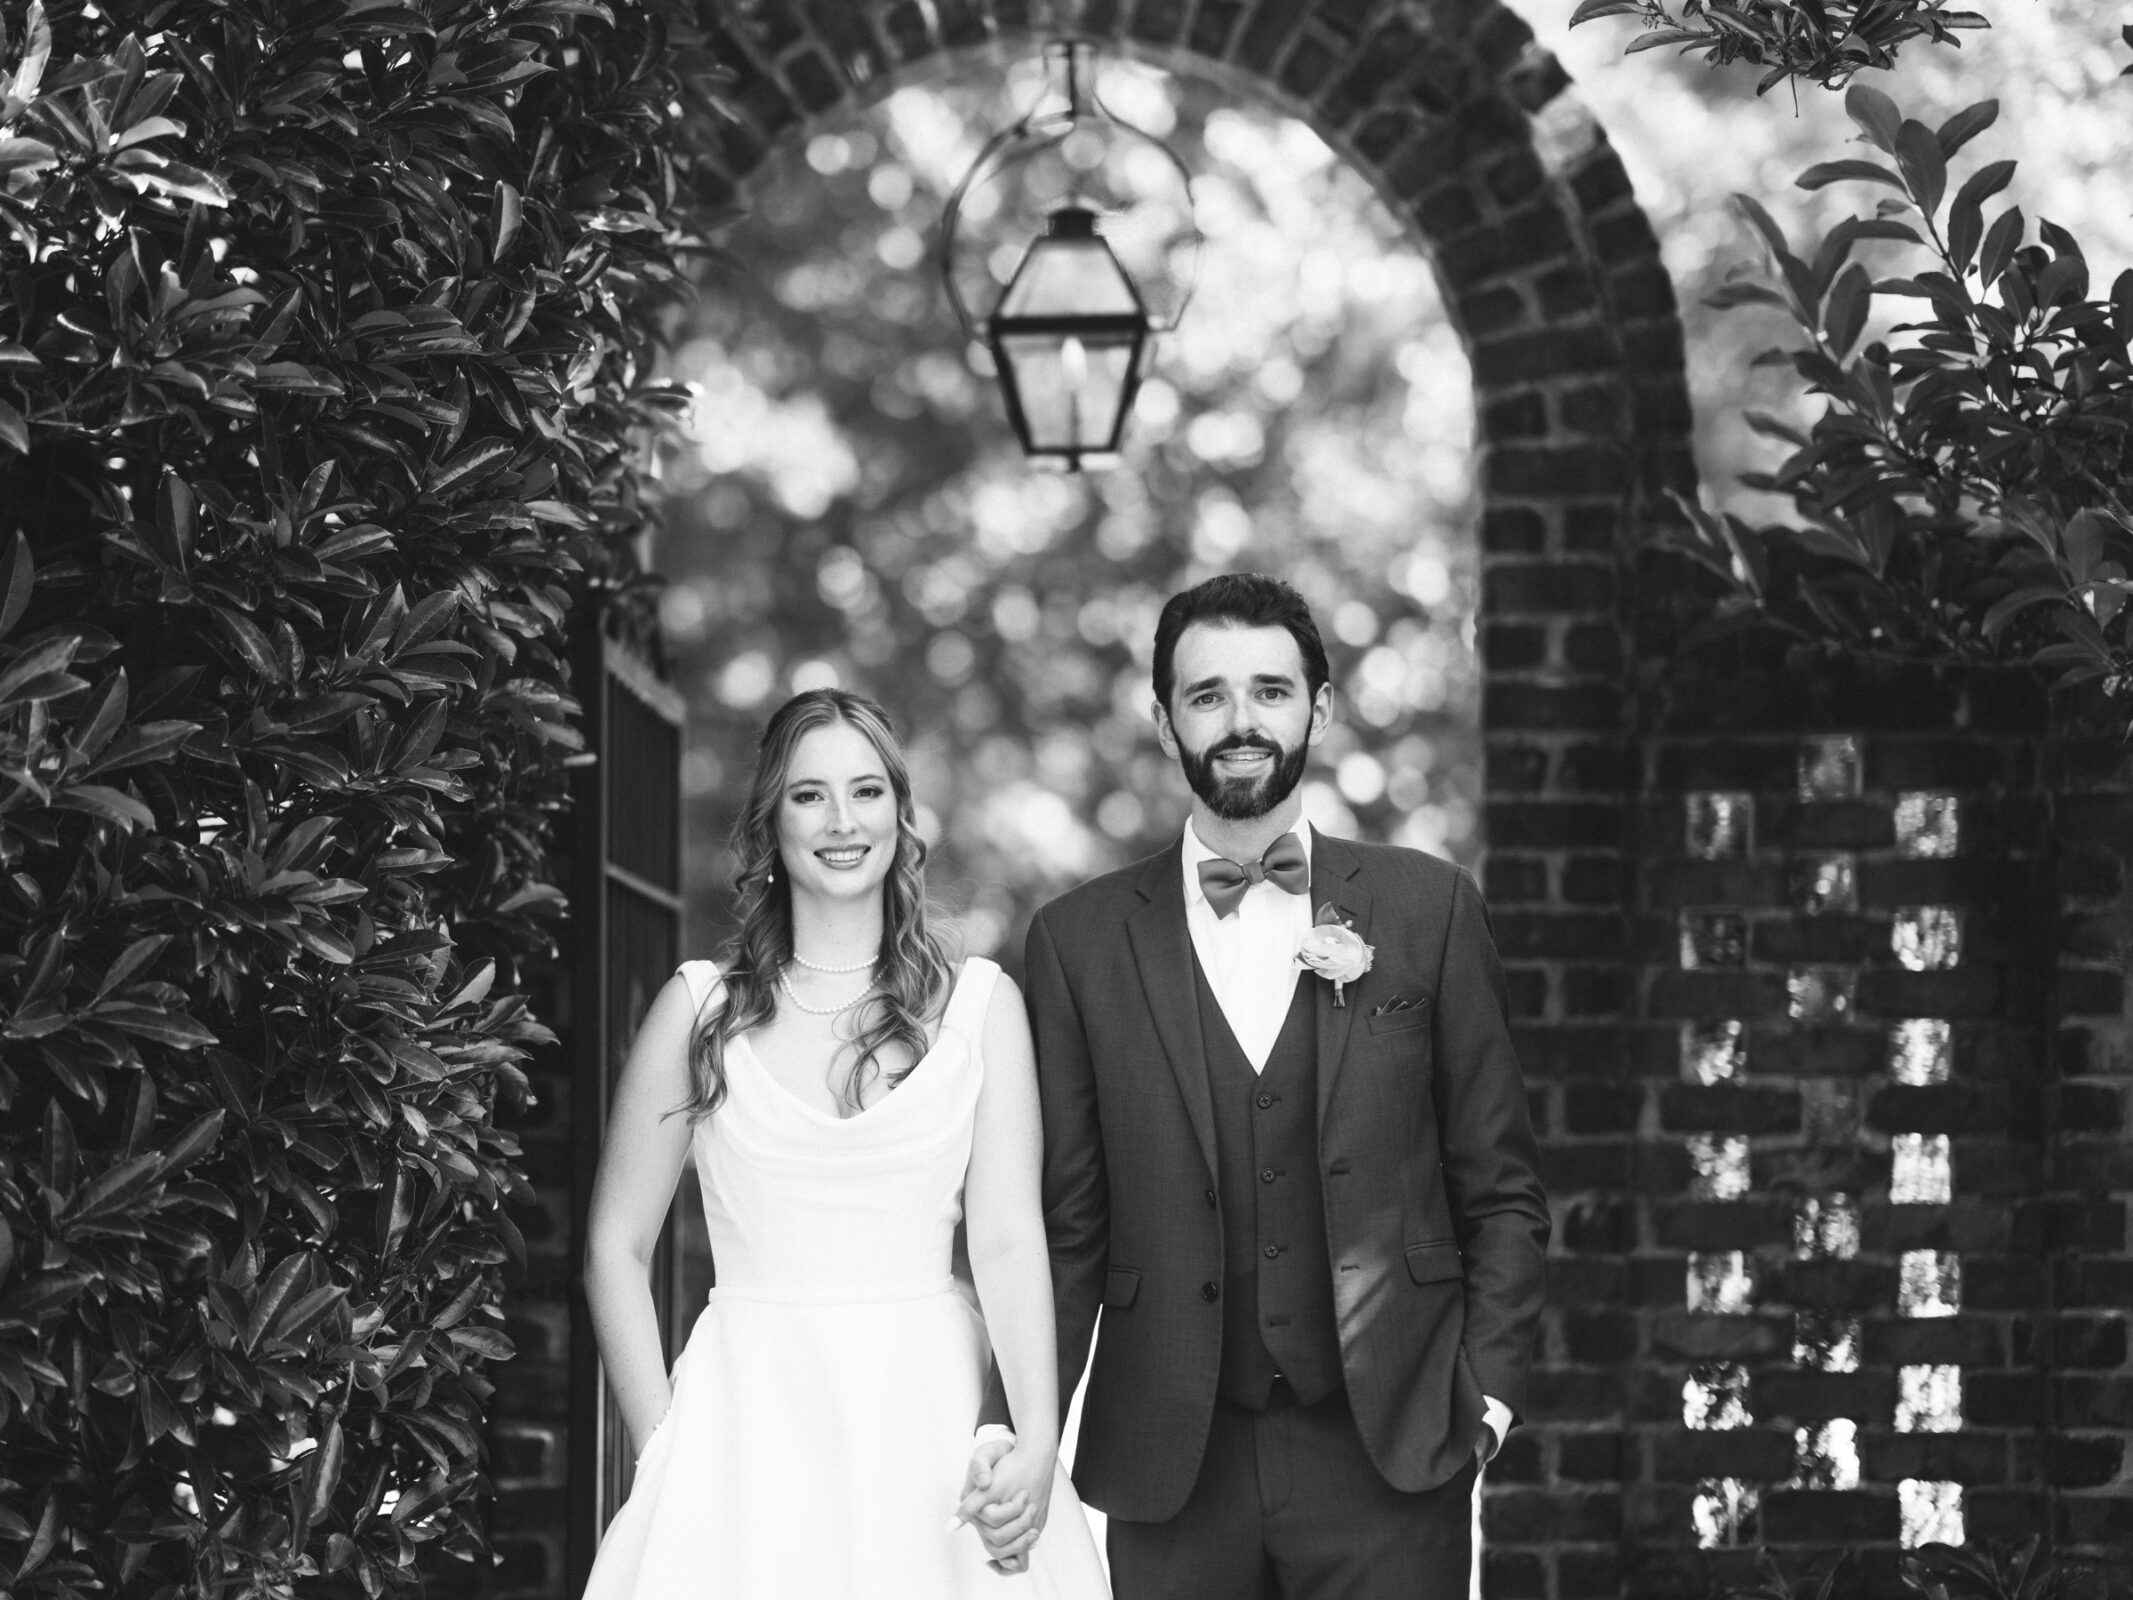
[1069, 278]
[1071, 389]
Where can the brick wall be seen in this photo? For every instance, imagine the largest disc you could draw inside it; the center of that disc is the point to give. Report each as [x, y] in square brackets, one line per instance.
[1826, 1173]
[1842, 1202]
[2079, 1336]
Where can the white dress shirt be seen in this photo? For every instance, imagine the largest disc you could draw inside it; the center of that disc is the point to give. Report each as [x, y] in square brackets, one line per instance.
[1249, 956]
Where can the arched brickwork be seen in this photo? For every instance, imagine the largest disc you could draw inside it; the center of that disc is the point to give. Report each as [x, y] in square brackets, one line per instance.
[1552, 276]
[1550, 273]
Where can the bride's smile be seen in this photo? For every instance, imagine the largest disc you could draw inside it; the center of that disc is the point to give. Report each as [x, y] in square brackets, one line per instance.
[837, 819]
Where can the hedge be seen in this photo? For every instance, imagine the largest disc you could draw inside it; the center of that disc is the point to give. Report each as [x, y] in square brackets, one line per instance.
[322, 398]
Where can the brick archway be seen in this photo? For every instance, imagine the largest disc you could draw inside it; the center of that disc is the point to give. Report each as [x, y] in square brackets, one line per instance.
[1551, 275]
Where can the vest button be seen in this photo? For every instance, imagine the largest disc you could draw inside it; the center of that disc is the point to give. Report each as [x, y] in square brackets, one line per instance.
[1267, 1176]
[1210, 1290]
[1272, 1251]
[1265, 1100]
[1210, 1196]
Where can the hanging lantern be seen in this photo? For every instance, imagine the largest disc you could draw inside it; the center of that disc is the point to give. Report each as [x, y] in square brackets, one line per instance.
[1070, 333]
[1067, 339]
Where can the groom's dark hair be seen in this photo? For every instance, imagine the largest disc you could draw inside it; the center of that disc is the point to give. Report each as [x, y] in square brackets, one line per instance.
[1239, 600]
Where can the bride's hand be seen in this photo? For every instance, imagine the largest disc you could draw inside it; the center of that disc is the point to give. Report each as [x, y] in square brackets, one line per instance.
[1008, 1495]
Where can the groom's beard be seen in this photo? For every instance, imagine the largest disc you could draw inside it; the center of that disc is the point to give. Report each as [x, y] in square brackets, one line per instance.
[1242, 799]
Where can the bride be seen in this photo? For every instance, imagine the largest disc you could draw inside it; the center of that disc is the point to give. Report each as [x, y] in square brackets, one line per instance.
[849, 1096]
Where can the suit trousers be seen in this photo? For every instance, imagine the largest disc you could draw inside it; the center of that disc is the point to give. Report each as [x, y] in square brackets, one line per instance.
[1289, 1507]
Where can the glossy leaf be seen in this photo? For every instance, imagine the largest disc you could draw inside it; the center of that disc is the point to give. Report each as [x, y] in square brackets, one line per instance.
[1876, 115]
[2001, 241]
[1825, 173]
[1844, 315]
[1966, 125]
[15, 590]
[1924, 168]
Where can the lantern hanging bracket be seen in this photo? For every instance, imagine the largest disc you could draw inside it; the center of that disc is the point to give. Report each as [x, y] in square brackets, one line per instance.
[1039, 128]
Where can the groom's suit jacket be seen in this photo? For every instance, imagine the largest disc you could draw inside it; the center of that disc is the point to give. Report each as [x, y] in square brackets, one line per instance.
[1435, 1220]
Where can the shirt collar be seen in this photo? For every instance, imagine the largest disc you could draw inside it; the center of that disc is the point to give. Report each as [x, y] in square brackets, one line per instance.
[1195, 852]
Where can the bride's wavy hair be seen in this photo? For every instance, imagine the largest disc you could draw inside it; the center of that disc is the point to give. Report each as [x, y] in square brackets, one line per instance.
[914, 972]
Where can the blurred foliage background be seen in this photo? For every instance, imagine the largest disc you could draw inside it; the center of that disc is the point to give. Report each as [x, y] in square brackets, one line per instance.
[851, 507]
[847, 504]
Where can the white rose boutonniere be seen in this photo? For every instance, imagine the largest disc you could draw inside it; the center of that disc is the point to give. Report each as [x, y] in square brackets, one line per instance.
[1335, 951]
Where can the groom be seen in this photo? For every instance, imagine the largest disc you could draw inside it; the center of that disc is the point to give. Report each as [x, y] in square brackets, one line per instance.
[1307, 1210]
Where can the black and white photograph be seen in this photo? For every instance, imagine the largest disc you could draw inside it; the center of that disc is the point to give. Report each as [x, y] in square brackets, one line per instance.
[1066, 799]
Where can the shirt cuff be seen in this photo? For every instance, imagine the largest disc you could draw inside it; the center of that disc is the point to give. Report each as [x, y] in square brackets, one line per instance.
[1498, 1416]
[1000, 1430]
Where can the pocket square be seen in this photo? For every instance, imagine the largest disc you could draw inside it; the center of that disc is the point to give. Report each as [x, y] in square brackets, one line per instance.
[1400, 1016]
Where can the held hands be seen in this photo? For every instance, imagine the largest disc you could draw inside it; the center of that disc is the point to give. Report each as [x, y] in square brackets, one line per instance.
[1007, 1493]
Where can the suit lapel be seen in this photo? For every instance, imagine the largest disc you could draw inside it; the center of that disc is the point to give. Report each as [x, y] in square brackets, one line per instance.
[1336, 880]
[1162, 949]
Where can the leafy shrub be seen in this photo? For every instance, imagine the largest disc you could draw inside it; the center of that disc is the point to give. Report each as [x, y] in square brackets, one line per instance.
[2027, 1571]
[1963, 495]
[1823, 41]
[319, 402]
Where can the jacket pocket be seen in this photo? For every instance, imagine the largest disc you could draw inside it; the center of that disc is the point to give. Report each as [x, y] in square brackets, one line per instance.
[1121, 1284]
[1414, 1016]
[1435, 1262]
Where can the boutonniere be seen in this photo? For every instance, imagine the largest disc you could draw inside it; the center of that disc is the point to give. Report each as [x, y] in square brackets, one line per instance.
[1334, 950]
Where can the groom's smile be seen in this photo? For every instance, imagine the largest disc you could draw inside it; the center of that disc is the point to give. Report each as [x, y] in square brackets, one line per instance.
[1242, 719]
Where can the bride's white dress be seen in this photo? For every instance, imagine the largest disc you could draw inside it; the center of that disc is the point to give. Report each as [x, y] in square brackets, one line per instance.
[824, 1404]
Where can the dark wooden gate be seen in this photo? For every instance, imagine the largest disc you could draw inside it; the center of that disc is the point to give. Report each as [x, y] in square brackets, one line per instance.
[625, 942]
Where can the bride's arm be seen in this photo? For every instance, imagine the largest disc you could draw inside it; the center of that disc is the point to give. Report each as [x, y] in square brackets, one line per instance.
[1005, 1220]
[641, 1157]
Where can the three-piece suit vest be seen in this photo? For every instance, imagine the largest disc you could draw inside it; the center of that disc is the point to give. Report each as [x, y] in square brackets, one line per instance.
[1277, 1311]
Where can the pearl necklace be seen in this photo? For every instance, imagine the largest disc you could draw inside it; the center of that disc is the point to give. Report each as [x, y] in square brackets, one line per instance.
[785, 983]
[867, 965]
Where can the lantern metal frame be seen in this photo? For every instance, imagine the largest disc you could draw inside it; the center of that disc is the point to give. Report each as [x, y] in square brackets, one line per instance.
[1131, 327]
[1035, 131]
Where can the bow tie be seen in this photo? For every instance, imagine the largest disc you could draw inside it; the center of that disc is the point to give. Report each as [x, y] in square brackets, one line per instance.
[1224, 881]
